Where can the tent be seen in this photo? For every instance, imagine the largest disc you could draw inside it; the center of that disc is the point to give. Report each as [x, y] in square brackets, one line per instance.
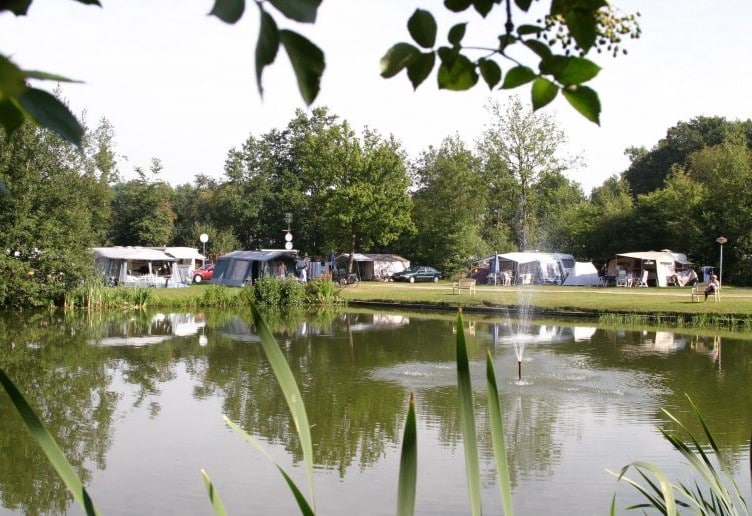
[239, 268]
[532, 266]
[661, 265]
[583, 274]
[186, 259]
[139, 266]
[374, 266]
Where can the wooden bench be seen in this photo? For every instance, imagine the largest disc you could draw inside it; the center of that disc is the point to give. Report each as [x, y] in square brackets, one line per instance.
[698, 291]
[464, 284]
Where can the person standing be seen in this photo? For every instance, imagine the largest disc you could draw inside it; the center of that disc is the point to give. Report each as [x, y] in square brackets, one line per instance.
[303, 268]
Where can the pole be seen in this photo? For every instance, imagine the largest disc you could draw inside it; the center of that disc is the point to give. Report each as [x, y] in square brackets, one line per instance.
[720, 272]
[721, 240]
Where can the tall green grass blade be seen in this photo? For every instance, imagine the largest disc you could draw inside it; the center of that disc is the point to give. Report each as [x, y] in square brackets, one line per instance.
[664, 502]
[467, 415]
[216, 501]
[497, 437]
[305, 508]
[723, 463]
[291, 392]
[51, 449]
[408, 472]
[722, 499]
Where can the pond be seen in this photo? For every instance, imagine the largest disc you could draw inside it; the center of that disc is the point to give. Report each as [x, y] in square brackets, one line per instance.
[136, 403]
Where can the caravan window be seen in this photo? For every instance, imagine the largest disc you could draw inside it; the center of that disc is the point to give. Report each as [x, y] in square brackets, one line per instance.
[567, 263]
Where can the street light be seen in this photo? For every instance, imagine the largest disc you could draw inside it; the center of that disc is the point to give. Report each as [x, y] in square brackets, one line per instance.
[721, 240]
[204, 238]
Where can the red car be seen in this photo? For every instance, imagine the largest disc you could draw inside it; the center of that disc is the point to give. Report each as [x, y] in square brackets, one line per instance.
[205, 273]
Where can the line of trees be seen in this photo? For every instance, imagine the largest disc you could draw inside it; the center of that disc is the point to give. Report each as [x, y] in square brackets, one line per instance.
[351, 192]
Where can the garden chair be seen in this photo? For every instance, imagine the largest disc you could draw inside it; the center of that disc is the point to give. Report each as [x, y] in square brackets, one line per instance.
[643, 280]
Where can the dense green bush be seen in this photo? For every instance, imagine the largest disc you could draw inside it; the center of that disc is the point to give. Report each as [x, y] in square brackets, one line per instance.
[276, 292]
[220, 296]
[292, 293]
[322, 292]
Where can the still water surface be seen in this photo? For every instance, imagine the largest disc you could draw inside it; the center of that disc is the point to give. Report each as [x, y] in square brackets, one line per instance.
[136, 404]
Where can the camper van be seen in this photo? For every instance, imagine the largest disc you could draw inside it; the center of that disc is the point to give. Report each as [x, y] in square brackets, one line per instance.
[566, 264]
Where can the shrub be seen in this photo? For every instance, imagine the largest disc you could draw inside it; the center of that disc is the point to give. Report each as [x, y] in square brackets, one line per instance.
[322, 292]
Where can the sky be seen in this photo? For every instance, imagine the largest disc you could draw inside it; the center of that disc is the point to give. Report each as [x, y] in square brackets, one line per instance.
[180, 85]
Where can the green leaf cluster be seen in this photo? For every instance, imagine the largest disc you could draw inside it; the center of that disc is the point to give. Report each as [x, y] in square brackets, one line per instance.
[581, 22]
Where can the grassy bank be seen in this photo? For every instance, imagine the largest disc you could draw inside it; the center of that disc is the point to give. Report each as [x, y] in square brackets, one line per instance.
[734, 301]
[611, 306]
[638, 307]
[675, 300]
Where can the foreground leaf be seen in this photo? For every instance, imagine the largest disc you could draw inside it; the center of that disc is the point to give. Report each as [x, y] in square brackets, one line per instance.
[543, 92]
[420, 68]
[307, 61]
[460, 75]
[467, 416]
[11, 117]
[50, 448]
[577, 71]
[51, 114]
[408, 473]
[229, 11]
[303, 11]
[12, 80]
[585, 101]
[398, 57]
[517, 76]
[666, 503]
[422, 27]
[266, 46]
[289, 388]
[497, 437]
[303, 505]
[216, 501]
[490, 71]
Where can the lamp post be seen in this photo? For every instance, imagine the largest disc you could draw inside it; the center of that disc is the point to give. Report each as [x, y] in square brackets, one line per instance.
[204, 238]
[721, 240]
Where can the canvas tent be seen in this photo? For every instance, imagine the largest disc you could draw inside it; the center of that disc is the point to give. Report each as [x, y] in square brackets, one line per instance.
[374, 266]
[531, 266]
[583, 274]
[660, 265]
[239, 268]
[187, 260]
[137, 266]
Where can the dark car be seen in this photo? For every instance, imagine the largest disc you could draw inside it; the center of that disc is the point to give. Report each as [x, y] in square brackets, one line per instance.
[205, 273]
[418, 273]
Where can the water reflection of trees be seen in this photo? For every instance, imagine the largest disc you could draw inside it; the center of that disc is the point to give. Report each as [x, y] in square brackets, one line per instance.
[353, 417]
[66, 382]
[355, 371]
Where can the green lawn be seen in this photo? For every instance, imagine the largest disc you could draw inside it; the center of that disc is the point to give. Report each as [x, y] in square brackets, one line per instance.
[670, 300]
[735, 302]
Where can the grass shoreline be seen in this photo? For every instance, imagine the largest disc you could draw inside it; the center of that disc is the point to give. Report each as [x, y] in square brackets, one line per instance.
[672, 306]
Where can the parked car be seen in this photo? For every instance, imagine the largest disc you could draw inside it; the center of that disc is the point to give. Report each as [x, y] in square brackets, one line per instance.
[205, 273]
[418, 273]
